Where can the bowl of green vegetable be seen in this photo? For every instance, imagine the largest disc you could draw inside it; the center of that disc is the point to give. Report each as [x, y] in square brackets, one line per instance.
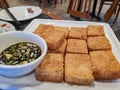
[20, 52]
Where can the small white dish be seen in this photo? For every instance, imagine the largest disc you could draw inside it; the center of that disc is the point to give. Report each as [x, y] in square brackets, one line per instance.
[6, 27]
[10, 38]
[21, 13]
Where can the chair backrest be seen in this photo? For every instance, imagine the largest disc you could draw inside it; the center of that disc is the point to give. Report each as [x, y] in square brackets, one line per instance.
[111, 10]
[4, 2]
[80, 8]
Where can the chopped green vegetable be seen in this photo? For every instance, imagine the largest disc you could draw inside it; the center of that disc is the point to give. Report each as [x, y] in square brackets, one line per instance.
[20, 53]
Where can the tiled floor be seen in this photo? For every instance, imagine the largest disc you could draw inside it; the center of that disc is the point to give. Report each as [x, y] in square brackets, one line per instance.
[62, 8]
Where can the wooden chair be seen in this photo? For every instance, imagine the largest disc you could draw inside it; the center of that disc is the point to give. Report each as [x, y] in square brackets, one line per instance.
[4, 2]
[80, 8]
[52, 1]
[55, 2]
[111, 10]
[113, 7]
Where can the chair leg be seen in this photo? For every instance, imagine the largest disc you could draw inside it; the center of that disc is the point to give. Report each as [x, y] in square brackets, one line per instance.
[55, 2]
[70, 5]
[48, 1]
[6, 3]
[117, 13]
[100, 8]
[42, 3]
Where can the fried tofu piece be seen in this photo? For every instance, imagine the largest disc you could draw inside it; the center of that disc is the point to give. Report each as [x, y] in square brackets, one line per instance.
[77, 46]
[51, 68]
[52, 37]
[98, 43]
[63, 29]
[61, 48]
[104, 65]
[78, 33]
[95, 30]
[43, 30]
[39, 29]
[78, 69]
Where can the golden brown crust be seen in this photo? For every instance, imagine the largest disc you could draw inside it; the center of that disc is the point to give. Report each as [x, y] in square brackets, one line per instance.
[63, 29]
[98, 43]
[95, 30]
[43, 30]
[78, 33]
[104, 65]
[78, 69]
[77, 46]
[61, 48]
[52, 37]
[51, 68]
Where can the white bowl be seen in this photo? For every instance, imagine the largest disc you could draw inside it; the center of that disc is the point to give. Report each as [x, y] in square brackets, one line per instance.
[9, 38]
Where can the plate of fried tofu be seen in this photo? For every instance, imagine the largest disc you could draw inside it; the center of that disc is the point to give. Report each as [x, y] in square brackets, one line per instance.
[81, 56]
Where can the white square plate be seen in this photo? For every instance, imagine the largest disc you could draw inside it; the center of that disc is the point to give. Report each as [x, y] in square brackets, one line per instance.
[29, 82]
